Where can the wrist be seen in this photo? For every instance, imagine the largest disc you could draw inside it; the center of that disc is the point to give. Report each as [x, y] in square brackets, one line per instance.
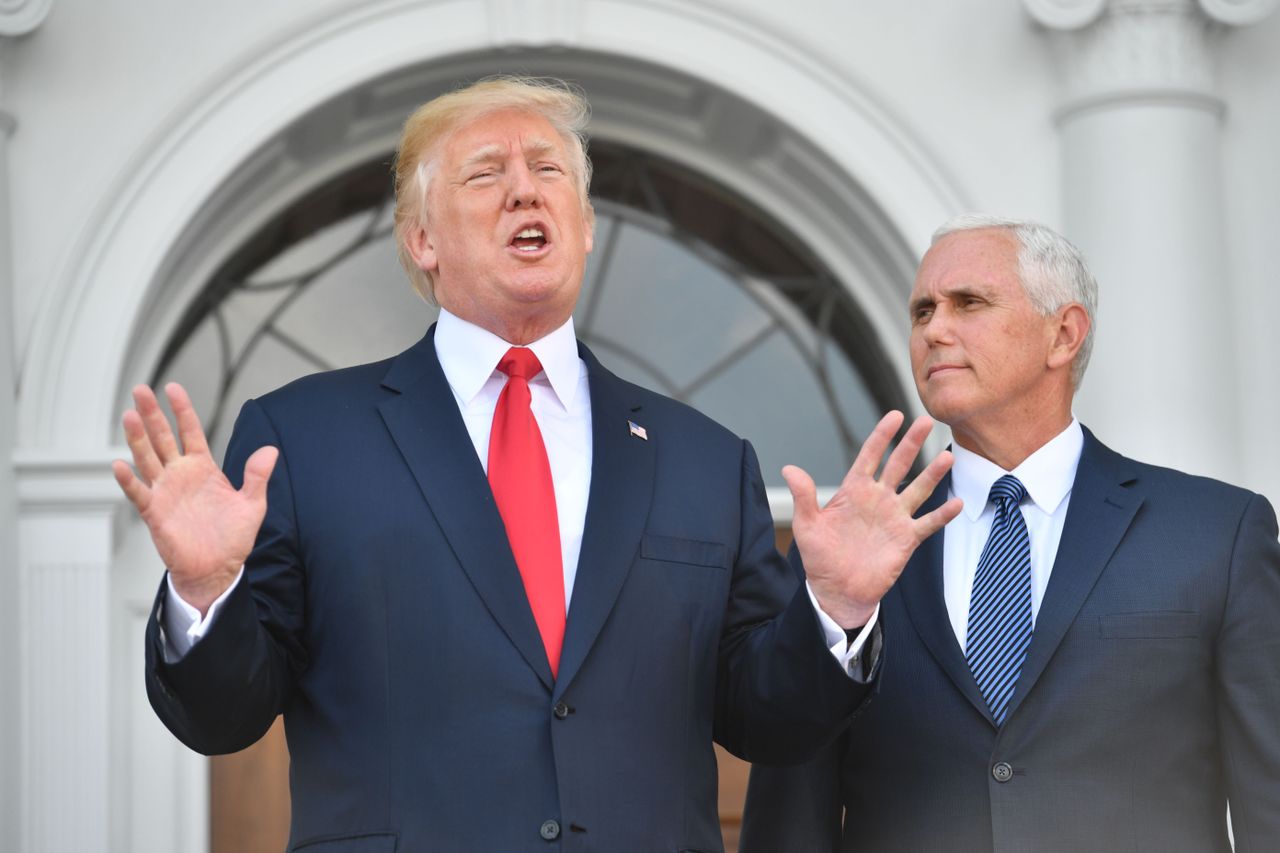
[851, 617]
[202, 593]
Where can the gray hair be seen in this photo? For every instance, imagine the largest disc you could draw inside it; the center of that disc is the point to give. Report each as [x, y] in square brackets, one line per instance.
[563, 106]
[1053, 272]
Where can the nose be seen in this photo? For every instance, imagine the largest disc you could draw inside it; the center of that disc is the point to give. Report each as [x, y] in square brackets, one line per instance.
[938, 327]
[522, 190]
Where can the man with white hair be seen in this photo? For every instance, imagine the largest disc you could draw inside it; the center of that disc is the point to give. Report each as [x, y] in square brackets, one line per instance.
[503, 599]
[1088, 657]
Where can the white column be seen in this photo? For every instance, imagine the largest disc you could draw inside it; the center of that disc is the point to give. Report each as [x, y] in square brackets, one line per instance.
[9, 648]
[17, 18]
[1142, 187]
[66, 513]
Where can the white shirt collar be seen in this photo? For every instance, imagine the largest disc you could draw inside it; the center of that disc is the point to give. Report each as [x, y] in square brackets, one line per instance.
[469, 356]
[1047, 474]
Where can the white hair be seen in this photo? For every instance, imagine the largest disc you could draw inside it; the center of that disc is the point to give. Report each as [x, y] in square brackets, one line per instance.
[1052, 271]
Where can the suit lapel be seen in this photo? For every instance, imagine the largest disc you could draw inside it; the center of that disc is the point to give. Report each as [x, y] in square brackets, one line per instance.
[922, 594]
[428, 429]
[622, 467]
[1100, 512]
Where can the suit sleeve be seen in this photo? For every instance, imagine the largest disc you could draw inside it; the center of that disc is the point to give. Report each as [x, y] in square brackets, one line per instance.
[1248, 672]
[795, 808]
[780, 694]
[223, 695]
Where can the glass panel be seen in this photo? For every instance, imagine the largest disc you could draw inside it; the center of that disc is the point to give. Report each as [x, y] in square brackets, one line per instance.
[668, 308]
[360, 309]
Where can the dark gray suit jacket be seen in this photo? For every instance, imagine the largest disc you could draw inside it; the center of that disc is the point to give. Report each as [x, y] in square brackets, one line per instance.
[1149, 698]
[385, 618]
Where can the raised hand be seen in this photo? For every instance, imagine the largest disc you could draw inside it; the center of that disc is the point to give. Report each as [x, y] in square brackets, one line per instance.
[856, 546]
[202, 526]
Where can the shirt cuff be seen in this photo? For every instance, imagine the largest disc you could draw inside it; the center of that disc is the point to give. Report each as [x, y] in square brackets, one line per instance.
[848, 653]
[182, 626]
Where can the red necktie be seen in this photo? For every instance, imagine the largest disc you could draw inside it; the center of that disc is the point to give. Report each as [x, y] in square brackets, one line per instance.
[520, 477]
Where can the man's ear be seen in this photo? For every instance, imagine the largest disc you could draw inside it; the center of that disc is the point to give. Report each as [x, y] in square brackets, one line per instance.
[421, 249]
[1070, 329]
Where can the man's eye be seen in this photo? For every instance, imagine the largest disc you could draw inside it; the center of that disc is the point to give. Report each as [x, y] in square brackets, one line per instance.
[549, 168]
[922, 316]
[478, 176]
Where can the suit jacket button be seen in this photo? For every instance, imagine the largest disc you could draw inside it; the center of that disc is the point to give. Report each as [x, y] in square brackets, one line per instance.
[561, 710]
[1002, 772]
[550, 830]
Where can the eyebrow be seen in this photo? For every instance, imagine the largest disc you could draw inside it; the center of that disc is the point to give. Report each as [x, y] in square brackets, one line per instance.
[486, 154]
[960, 291]
[916, 304]
[538, 145]
[489, 153]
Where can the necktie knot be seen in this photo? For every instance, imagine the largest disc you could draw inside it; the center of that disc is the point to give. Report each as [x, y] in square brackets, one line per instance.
[520, 363]
[1007, 488]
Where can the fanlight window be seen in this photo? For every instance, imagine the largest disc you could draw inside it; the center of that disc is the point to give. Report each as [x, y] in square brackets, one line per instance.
[691, 291]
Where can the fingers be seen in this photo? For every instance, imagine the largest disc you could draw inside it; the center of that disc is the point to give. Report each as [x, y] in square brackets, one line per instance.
[151, 440]
[144, 457]
[930, 523]
[872, 451]
[257, 471]
[804, 494]
[919, 489]
[904, 455]
[134, 489]
[189, 429]
[156, 424]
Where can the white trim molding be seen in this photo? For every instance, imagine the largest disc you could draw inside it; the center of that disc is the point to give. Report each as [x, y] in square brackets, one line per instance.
[21, 17]
[1238, 13]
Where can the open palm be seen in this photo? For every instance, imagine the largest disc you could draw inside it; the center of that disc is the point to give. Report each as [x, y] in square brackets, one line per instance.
[856, 546]
[202, 526]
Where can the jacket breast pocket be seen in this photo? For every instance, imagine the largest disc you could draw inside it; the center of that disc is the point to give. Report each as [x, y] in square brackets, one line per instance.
[693, 552]
[365, 842]
[1153, 625]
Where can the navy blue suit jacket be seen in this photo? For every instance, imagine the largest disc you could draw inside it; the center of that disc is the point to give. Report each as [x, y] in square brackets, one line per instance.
[385, 618]
[1149, 697]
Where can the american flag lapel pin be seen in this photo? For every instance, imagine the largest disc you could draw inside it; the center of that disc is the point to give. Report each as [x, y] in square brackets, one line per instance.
[637, 430]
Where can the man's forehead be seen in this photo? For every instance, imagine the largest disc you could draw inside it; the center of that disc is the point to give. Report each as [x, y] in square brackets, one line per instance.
[969, 256]
[499, 134]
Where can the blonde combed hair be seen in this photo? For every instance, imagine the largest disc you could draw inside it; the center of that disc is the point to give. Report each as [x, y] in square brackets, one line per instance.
[562, 105]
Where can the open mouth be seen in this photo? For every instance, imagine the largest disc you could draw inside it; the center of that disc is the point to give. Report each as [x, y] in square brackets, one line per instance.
[529, 239]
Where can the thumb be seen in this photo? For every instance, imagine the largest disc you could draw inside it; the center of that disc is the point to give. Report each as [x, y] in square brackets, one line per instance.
[803, 493]
[257, 471]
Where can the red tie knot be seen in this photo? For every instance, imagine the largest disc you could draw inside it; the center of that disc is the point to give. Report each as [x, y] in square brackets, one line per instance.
[520, 363]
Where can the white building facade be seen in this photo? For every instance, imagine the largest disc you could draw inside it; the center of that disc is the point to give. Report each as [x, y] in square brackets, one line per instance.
[143, 144]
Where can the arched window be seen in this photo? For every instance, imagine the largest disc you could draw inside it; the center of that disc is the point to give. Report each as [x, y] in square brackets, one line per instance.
[691, 291]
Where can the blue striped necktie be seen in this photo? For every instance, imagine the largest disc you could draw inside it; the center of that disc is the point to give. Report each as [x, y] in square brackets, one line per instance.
[1000, 609]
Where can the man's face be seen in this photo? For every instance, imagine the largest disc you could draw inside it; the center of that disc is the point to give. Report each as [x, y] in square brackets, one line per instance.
[979, 349]
[506, 236]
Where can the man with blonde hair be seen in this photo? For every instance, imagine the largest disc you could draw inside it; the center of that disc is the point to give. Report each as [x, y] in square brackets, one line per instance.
[1088, 657]
[505, 600]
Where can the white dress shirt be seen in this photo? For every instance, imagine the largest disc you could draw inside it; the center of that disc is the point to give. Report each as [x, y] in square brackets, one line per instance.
[1047, 475]
[561, 403]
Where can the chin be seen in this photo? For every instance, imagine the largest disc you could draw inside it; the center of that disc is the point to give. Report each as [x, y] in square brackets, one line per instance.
[944, 407]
